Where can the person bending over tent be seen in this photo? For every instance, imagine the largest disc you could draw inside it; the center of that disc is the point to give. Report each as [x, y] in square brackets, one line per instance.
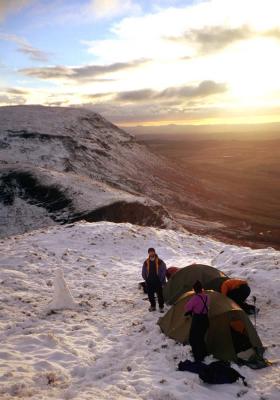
[239, 335]
[153, 272]
[238, 290]
[198, 307]
[245, 352]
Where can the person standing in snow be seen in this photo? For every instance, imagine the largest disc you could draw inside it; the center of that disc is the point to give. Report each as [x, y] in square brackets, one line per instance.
[198, 307]
[153, 272]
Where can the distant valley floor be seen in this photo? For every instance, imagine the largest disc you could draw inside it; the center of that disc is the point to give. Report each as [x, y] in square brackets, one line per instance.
[239, 181]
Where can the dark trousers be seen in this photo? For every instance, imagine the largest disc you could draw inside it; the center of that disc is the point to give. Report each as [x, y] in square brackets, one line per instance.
[152, 288]
[199, 326]
[240, 294]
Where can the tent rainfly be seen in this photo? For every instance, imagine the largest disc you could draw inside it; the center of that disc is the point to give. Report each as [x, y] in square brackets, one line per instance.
[184, 279]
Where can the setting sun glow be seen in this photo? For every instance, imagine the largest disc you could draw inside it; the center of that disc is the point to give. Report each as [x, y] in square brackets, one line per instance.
[192, 62]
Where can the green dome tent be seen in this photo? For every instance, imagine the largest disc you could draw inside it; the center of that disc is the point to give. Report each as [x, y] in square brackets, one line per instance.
[222, 312]
[184, 279]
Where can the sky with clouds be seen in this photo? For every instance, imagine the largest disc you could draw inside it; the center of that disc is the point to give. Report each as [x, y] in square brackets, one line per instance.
[144, 62]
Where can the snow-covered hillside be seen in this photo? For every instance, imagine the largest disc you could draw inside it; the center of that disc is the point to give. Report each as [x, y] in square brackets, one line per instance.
[60, 164]
[112, 348]
[66, 139]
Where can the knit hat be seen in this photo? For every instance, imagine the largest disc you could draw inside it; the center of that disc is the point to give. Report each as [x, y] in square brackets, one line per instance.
[151, 249]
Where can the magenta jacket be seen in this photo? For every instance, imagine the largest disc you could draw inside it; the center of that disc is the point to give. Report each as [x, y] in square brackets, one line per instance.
[198, 304]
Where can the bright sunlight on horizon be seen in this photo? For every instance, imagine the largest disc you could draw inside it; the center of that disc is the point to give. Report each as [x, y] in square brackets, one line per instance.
[145, 63]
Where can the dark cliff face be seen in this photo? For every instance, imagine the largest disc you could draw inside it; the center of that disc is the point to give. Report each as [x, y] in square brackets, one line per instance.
[55, 200]
[26, 186]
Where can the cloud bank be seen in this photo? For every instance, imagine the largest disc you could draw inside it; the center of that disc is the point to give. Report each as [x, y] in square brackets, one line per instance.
[24, 47]
[211, 39]
[203, 89]
[80, 74]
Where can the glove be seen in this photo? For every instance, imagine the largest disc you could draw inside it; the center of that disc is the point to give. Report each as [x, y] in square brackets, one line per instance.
[188, 314]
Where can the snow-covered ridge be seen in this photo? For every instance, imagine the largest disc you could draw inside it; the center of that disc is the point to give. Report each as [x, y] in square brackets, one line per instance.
[56, 121]
[68, 139]
[112, 347]
[90, 162]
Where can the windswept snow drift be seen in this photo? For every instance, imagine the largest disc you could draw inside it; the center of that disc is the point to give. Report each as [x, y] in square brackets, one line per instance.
[112, 348]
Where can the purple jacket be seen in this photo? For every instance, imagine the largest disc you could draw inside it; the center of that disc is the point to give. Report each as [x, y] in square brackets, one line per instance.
[198, 304]
[161, 270]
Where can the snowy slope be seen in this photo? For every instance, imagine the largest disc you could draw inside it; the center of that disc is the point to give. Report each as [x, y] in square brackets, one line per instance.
[64, 139]
[67, 139]
[82, 159]
[112, 348]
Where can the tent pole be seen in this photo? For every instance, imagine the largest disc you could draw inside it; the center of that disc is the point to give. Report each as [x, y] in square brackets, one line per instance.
[255, 312]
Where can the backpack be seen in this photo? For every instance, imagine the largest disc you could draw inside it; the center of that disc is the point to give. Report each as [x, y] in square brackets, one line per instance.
[219, 372]
[190, 366]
